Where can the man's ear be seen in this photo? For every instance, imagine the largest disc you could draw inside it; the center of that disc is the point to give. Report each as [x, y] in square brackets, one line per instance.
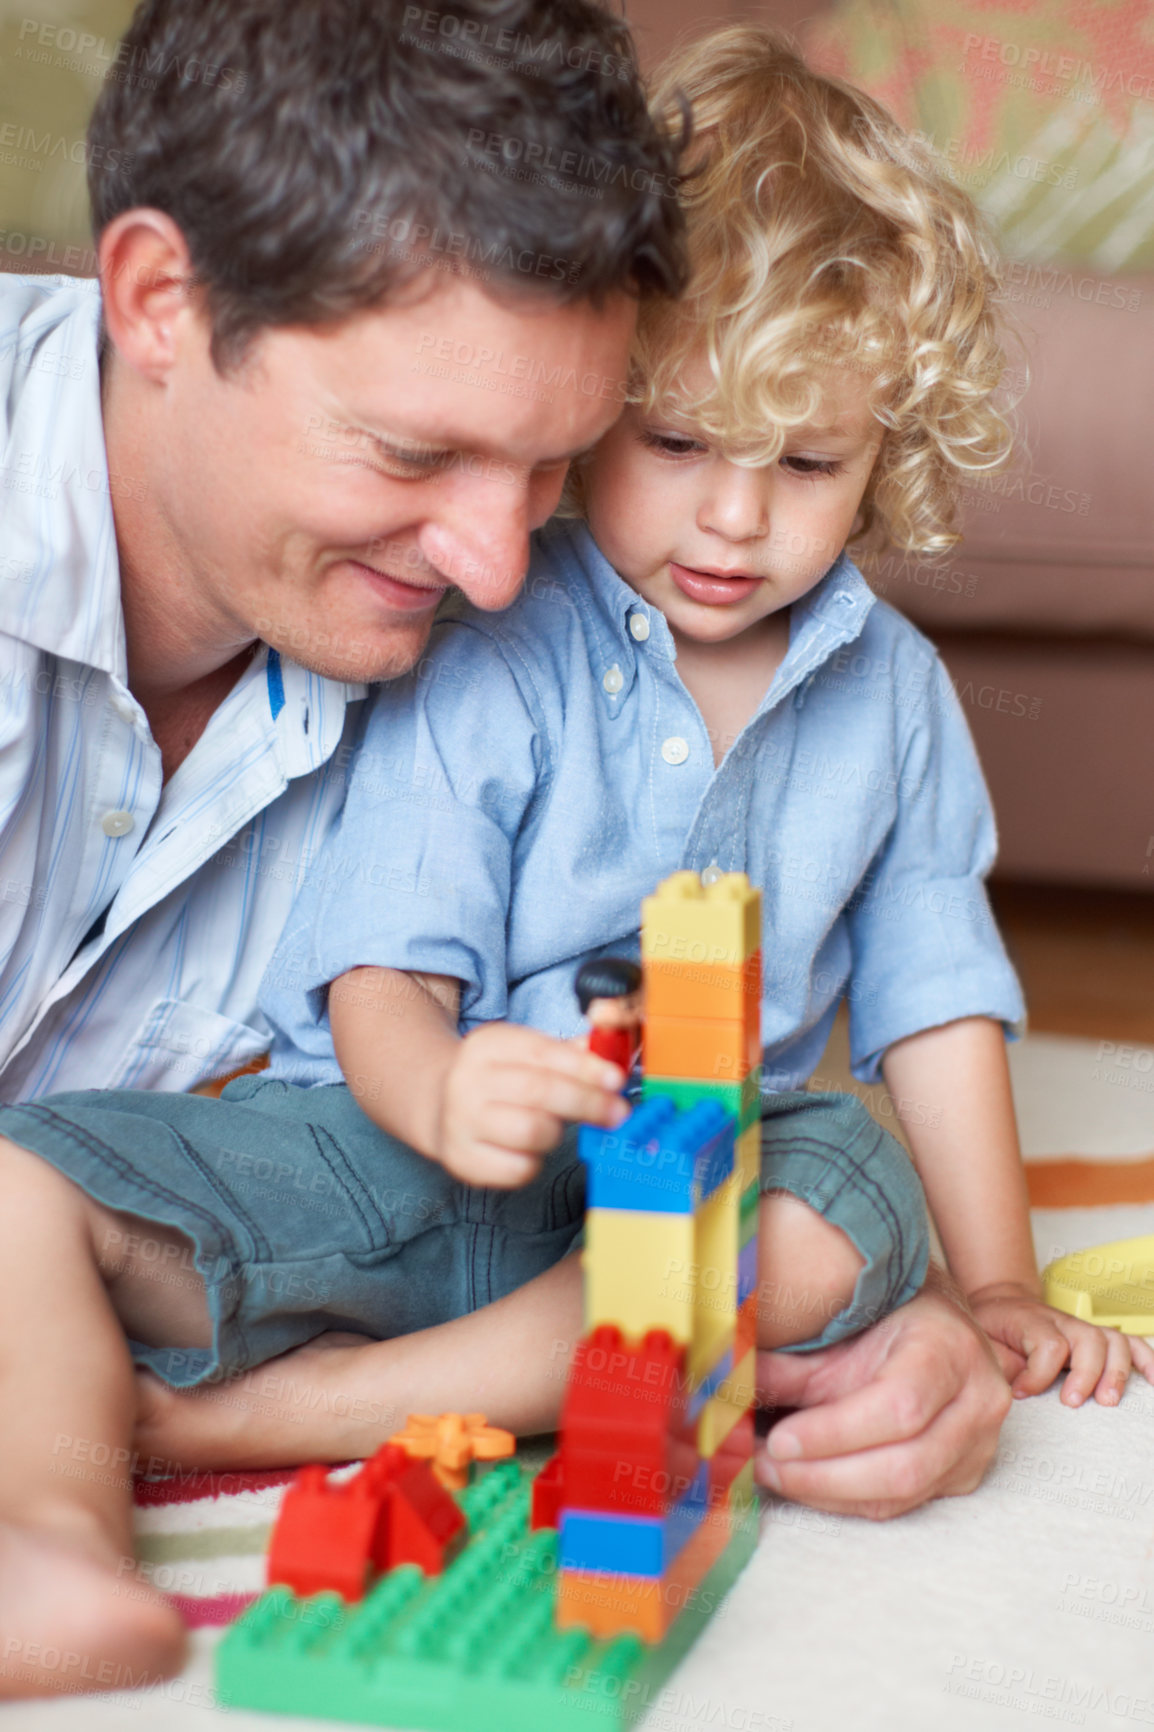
[146, 276]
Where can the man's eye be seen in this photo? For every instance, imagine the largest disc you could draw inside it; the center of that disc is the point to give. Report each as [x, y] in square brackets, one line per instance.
[416, 461]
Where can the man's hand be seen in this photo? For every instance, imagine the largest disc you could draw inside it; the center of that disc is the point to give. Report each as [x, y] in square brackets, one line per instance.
[507, 1096]
[1033, 1342]
[907, 1411]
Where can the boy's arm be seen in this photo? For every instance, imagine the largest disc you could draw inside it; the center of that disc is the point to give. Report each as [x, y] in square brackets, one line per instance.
[487, 1106]
[952, 1089]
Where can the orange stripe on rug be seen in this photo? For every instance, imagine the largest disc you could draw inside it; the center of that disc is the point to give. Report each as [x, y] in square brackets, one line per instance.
[1069, 1183]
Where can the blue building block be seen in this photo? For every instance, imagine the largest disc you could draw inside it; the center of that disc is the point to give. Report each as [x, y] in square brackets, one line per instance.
[632, 1545]
[746, 1270]
[660, 1160]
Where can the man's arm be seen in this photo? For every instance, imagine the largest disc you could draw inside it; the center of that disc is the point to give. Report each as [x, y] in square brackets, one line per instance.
[907, 1411]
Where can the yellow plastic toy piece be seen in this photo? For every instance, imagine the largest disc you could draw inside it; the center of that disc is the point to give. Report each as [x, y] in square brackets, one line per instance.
[715, 1257]
[722, 1412]
[1111, 1285]
[640, 1271]
[688, 921]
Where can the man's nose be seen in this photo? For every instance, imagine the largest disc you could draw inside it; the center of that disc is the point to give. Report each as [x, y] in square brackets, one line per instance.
[479, 538]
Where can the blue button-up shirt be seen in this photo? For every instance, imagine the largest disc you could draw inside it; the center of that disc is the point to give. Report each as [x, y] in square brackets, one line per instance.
[542, 769]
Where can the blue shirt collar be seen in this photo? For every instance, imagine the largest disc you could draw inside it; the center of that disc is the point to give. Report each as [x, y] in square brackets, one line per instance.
[831, 614]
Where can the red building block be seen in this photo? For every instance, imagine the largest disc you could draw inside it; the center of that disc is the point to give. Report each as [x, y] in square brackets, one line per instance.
[324, 1535]
[334, 1537]
[548, 1495]
[626, 1445]
[425, 1525]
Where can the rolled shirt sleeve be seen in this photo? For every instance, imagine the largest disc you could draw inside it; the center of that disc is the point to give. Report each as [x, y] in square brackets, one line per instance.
[417, 873]
[926, 950]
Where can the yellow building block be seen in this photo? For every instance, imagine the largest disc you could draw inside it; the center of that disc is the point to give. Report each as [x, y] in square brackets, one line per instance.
[722, 1412]
[687, 921]
[640, 1271]
[730, 992]
[715, 1257]
[747, 1156]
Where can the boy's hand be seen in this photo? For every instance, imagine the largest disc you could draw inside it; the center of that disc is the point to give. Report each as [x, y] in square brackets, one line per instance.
[1033, 1342]
[508, 1095]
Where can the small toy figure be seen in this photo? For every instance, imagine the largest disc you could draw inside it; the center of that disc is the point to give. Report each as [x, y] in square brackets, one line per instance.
[609, 993]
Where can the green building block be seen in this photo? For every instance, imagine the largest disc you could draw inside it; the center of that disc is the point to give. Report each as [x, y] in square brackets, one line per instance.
[473, 1650]
[742, 1099]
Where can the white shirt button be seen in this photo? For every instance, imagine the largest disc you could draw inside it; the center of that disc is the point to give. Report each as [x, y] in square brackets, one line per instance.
[613, 680]
[675, 750]
[638, 627]
[712, 873]
[125, 709]
[117, 823]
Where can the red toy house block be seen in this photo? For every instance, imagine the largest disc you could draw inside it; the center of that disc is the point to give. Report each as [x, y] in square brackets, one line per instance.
[331, 1537]
[423, 1524]
[626, 1445]
[548, 1495]
[324, 1535]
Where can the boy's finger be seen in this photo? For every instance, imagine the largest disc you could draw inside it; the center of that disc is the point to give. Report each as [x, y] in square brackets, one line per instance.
[1088, 1353]
[1047, 1350]
[522, 1129]
[537, 1051]
[495, 1167]
[1109, 1388]
[565, 1097]
[1142, 1355]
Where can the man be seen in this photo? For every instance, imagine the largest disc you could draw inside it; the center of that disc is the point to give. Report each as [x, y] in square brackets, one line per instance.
[357, 310]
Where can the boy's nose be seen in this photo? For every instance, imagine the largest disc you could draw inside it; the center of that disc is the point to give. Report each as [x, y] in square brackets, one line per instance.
[737, 506]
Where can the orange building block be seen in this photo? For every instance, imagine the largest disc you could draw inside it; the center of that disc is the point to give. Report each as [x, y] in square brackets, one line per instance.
[606, 1604]
[714, 990]
[705, 1049]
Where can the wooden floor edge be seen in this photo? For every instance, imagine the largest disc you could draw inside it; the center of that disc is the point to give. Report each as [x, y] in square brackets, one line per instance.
[1067, 1182]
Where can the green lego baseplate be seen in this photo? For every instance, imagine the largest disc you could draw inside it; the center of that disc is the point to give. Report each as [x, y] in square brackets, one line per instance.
[472, 1650]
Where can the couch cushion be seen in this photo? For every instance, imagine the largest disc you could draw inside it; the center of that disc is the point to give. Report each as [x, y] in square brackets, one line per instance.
[1064, 540]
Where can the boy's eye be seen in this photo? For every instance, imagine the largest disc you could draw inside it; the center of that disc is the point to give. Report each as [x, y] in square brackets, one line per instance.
[671, 444]
[811, 465]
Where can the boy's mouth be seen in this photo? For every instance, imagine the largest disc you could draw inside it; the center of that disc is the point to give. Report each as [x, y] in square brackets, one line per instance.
[713, 588]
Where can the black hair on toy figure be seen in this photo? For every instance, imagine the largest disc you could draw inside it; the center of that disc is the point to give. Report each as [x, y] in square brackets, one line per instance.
[606, 977]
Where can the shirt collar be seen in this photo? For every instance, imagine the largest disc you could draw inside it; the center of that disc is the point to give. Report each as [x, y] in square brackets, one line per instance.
[60, 585]
[829, 615]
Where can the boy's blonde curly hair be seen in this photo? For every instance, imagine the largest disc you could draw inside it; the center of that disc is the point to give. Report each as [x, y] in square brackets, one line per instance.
[822, 236]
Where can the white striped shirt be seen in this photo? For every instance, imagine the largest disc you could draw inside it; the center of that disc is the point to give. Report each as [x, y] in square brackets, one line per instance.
[193, 878]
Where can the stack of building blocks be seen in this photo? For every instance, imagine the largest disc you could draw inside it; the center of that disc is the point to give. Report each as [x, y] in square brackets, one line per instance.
[580, 1589]
[655, 1463]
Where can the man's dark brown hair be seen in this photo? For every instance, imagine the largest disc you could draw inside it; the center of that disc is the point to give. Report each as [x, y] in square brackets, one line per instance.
[316, 154]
